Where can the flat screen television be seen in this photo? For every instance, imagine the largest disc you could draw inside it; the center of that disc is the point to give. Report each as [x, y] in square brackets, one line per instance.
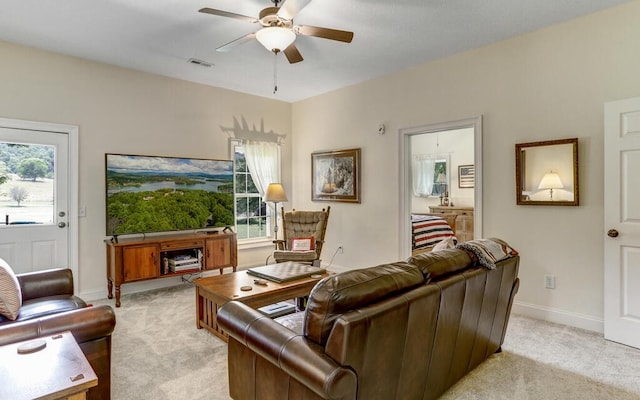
[147, 194]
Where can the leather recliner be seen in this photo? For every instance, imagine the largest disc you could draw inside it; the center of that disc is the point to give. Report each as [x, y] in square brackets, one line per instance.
[49, 306]
[406, 330]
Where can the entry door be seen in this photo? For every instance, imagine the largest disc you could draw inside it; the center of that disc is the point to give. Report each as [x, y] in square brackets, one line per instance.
[622, 222]
[34, 208]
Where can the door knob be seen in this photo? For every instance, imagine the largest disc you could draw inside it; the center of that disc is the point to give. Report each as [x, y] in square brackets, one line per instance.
[612, 233]
[61, 224]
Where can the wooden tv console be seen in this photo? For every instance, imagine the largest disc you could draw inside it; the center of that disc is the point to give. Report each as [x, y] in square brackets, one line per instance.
[141, 259]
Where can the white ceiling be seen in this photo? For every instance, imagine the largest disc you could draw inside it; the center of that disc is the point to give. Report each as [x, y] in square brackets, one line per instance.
[159, 36]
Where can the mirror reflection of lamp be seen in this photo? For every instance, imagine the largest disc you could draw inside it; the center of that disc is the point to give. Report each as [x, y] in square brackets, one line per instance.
[550, 181]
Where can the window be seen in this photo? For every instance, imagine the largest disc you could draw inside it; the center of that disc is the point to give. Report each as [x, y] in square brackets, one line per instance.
[27, 184]
[430, 175]
[440, 181]
[252, 220]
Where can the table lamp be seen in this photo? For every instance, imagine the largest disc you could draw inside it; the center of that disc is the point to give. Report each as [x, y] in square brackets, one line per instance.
[275, 194]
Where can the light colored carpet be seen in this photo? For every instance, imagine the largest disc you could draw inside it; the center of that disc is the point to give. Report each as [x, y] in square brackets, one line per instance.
[159, 354]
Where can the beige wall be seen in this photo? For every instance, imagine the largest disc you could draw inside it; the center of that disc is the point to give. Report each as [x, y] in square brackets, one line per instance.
[124, 111]
[545, 85]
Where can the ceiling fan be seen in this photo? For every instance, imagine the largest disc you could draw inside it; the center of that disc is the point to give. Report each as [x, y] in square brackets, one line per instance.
[278, 31]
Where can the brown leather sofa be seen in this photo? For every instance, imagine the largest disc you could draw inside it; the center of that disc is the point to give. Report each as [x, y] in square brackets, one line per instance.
[49, 306]
[406, 330]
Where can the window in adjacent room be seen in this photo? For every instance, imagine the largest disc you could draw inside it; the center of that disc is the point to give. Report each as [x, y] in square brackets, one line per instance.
[430, 175]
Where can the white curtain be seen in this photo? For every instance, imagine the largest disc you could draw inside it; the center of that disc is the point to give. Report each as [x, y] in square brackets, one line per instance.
[423, 175]
[263, 163]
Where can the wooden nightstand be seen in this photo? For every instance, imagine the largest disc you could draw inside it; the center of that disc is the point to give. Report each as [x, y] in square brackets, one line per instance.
[464, 220]
[57, 371]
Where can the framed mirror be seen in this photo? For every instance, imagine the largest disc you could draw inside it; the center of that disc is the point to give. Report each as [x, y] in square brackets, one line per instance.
[547, 173]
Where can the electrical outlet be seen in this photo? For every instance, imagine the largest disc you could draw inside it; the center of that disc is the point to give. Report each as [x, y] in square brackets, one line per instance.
[550, 281]
[82, 211]
[340, 249]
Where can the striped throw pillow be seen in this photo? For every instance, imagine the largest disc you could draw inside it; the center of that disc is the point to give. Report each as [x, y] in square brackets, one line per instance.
[10, 295]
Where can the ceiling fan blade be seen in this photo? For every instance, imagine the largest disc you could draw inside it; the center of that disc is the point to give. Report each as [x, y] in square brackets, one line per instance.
[241, 40]
[221, 13]
[291, 8]
[292, 53]
[325, 33]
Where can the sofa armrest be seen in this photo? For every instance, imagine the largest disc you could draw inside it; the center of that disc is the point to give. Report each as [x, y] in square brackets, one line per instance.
[85, 324]
[50, 282]
[302, 359]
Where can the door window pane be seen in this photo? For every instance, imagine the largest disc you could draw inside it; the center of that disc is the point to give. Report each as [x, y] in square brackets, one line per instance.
[26, 184]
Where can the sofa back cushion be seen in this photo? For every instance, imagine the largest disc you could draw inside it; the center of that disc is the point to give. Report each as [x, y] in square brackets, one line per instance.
[439, 264]
[337, 294]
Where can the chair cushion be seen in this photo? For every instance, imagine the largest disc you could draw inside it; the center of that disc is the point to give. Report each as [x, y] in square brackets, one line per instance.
[299, 256]
[10, 294]
[44, 306]
[337, 294]
[304, 224]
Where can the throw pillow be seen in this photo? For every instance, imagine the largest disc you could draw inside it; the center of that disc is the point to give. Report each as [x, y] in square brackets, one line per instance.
[302, 244]
[10, 294]
[448, 243]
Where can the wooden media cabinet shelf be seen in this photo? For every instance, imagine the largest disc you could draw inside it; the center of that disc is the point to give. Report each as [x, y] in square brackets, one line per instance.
[134, 260]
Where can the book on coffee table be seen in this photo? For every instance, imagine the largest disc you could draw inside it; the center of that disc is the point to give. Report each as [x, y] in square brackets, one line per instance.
[278, 309]
[285, 272]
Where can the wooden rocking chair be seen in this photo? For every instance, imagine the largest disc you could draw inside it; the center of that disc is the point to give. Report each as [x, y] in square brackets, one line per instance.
[303, 236]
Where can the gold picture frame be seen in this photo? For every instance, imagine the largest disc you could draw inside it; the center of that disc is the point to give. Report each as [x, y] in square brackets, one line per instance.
[335, 176]
[547, 173]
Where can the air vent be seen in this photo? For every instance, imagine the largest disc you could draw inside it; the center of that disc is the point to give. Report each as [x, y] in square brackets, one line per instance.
[200, 62]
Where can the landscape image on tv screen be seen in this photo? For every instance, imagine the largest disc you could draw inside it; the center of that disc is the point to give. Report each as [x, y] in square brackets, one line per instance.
[157, 194]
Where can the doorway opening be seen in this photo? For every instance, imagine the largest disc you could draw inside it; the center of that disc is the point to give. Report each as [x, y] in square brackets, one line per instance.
[420, 189]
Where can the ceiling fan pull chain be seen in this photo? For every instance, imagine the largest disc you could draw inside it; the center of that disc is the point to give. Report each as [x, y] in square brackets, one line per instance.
[275, 72]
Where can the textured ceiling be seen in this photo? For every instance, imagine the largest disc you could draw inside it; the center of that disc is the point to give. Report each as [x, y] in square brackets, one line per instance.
[160, 36]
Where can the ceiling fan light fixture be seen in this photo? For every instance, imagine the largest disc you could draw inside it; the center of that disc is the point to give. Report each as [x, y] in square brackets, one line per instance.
[275, 38]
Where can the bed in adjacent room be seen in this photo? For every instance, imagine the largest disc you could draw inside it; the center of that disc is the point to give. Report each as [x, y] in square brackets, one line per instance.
[427, 230]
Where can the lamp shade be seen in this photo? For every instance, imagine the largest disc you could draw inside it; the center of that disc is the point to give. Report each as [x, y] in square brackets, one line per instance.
[275, 193]
[550, 180]
[275, 39]
[441, 178]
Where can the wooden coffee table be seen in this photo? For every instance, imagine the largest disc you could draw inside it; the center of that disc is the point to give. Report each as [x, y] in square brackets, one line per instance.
[215, 291]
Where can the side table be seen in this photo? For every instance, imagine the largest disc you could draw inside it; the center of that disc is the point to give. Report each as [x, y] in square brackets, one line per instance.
[57, 371]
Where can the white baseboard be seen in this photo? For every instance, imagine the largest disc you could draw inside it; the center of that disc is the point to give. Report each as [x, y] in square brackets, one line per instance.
[559, 316]
[133, 287]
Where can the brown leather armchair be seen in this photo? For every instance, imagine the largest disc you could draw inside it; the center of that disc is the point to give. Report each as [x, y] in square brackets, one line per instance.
[49, 306]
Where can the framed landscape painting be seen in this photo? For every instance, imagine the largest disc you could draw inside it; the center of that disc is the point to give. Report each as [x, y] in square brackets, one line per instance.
[335, 176]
